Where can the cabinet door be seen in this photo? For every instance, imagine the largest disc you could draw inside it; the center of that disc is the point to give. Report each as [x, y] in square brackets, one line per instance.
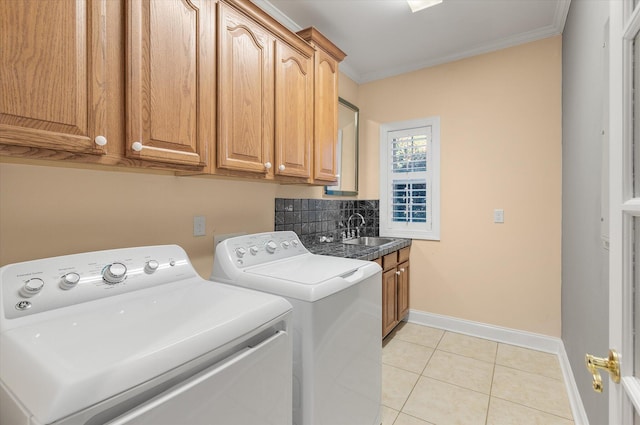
[326, 116]
[170, 80]
[389, 301]
[246, 93]
[52, 74]
[403, 290]
[294, 112]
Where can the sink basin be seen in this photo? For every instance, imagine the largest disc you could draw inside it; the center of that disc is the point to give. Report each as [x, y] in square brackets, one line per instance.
[368, 241]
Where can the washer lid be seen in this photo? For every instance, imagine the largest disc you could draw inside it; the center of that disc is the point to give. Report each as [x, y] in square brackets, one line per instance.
[62, 365]
[306, 277]
[308, 269]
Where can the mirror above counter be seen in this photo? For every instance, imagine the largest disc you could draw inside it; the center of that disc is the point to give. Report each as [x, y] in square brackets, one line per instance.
[347, 151]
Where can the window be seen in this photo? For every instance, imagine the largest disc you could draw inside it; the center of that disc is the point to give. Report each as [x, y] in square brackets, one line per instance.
[410, 179]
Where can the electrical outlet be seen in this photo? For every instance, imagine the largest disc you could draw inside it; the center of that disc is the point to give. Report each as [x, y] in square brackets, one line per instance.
[199, 225]
[498, 216]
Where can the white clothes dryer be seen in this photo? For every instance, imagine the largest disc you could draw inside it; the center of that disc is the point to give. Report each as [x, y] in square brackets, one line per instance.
[337, 315]
[135, 336]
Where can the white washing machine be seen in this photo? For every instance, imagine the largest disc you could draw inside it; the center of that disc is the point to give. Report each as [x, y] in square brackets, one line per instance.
[135, 336]
[337, 315]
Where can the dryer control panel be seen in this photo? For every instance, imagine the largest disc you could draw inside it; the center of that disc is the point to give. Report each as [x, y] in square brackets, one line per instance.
[251, 250]
[51, 283]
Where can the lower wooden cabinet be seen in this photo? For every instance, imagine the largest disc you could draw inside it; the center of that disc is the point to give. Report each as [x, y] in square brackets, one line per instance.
[403, 290]
[395, 289]
[389, 301]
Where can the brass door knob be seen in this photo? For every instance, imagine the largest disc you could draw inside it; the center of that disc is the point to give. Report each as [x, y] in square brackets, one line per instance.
[610, 364]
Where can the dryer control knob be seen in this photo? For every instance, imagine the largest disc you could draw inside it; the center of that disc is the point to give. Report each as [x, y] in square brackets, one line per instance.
[240, 252]
[32, 287]
[254, 250]
[271, 247]
[69, 280]
[285, 244]
[114, 273]
[151, 266]
[294, 242]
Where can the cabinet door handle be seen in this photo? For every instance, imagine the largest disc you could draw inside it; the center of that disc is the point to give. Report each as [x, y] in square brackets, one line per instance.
[100, 140]
[281, 167]
[397, 273]
[136, 146]
[267, 165]
[402, 270]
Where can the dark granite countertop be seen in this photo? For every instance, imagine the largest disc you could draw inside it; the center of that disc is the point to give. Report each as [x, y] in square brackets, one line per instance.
[360, 252]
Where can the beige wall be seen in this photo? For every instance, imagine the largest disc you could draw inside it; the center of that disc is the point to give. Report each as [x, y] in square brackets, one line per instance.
[348, 89]
[500, 148]
[50, 210]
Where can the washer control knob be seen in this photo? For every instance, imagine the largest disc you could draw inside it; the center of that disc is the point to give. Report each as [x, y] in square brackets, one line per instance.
[285, 244]
[240, 252]
[294, 242]
[114, 273]
[69, 280]
[271, 247]
[32, 287]
[254, 250]
[151, 266]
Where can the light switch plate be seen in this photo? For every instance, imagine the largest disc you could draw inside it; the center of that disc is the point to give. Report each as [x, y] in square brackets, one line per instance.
[199, 225]
[498, 216]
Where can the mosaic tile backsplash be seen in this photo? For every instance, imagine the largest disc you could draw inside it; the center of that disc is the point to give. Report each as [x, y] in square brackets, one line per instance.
[313, 219]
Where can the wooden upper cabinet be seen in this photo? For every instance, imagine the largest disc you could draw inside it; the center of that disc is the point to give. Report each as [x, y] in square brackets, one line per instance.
[52, 75]
[326, 60]
[294, 111]
[245, 93]
[326, 116]
[170, 81]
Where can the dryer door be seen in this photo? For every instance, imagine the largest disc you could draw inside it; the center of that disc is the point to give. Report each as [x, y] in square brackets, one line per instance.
[249, 387]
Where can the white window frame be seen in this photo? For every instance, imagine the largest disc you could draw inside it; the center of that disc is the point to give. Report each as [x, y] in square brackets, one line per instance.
[431, 229]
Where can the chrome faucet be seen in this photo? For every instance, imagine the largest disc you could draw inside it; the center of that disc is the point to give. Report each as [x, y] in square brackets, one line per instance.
[350, 233]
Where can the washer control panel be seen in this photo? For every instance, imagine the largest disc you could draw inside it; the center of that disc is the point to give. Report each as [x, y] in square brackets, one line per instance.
[255, 249]
[41, 285]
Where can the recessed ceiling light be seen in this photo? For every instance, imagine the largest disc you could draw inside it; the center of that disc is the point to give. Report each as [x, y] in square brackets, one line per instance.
[417, 5]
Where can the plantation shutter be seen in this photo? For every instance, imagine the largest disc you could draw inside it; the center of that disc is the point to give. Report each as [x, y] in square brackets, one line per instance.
[410, 179]
[408, 176]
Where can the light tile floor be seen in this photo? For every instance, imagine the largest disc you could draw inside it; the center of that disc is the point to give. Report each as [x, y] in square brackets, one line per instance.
[436, 377]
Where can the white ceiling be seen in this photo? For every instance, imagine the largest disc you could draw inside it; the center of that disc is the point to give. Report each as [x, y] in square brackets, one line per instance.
[383, 38]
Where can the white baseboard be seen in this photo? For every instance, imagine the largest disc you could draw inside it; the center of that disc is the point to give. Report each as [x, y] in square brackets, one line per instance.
[524, 339]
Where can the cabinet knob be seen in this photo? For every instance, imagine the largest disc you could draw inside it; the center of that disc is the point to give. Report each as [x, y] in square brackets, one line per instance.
[267, 165]
[136, 146]
[281, 167]
[398, 273]
[100, 140]
[402, 270]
